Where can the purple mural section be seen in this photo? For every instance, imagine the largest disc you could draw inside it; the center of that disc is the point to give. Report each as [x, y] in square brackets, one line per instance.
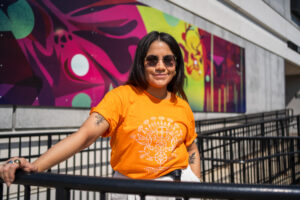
[76, 51]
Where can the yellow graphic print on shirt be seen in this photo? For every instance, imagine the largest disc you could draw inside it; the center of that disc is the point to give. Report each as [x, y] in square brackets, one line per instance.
[159, 136]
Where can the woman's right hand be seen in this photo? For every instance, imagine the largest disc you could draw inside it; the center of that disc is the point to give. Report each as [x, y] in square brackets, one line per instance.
[9, 168]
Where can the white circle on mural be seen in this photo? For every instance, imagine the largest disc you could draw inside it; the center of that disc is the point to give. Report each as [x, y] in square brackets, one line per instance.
[80, 65]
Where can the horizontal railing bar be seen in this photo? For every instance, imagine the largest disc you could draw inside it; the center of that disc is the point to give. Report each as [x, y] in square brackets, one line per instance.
[247, 116]
[249, 137]
[13, 135]
[62, 132]
[241, 161]
[161, 188]
[240, 126]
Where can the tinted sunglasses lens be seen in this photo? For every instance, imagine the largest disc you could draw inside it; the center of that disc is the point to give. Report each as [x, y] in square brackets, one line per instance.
[169, 60]
[152, 60]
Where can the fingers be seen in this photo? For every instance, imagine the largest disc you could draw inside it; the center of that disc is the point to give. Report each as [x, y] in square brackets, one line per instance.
[27, 166]
[8, 170]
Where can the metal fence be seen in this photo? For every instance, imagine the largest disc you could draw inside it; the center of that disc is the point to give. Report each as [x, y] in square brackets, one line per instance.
[261, 151]
[220, 123]
[250, 160]
[264, 152]
[92, 161]
[143, 189]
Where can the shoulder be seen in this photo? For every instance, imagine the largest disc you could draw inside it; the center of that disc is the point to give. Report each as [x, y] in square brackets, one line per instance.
[184, 105]
[125, 89]
[182, 102]
[124, 93]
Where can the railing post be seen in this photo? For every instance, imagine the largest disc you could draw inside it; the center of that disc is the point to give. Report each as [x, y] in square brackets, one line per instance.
[27, 192]
[102, 195]
[298, 125]
[262, 129]
[231, 159]
[1, 191]
[298, 132]
[292, 161]
[62, 193]
[49, 144]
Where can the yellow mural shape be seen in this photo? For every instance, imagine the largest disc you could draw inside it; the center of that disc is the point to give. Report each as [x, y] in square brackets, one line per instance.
[188, 37]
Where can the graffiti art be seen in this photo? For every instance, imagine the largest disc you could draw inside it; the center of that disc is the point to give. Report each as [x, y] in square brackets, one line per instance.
[70, 53]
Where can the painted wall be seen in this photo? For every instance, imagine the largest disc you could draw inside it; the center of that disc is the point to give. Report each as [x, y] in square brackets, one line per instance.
[70, 55]
[264, 83]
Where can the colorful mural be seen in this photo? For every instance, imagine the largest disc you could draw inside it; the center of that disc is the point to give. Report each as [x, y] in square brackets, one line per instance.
[70, 53]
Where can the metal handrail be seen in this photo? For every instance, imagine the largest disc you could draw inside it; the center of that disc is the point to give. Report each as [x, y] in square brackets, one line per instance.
[63, 184]
[224, 129]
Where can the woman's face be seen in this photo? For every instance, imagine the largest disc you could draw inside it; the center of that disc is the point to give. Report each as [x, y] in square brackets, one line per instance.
[160, 65]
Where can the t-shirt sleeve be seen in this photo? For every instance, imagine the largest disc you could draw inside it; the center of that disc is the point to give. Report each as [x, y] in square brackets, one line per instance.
[110, 107]
[191, 135]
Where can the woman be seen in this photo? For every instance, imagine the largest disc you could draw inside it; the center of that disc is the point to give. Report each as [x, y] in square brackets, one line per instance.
[152, 129]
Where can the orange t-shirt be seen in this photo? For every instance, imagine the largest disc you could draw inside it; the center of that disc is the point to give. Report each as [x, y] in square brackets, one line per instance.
[149, 136]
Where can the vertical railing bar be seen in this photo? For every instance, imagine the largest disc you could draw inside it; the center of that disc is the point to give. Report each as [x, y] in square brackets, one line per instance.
[81, 168]
[143, 197]
[292, 160]
[27, 192]
[270, 163]
[95, 163]
[107, 155]
[1, 191]
[7, 192]
[39, 153]
[20, 155]
[103, 195]
[201, 145]
[88, 169]
[59, 164]
[74, 172]
[9, 156]
[212, 160]
[101, 157]
[67, 161]
[231, 158]
[49, 144]
[62, 193]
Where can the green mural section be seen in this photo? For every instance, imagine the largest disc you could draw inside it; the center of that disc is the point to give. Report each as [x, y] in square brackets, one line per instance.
[19, 19]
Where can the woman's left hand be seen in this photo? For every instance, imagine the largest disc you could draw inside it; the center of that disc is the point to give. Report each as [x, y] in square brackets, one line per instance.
[8, 169]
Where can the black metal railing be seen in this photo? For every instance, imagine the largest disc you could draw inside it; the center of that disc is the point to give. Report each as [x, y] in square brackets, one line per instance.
[250, 160]
[258, 152]
[219, 123]
[63, 184]
[261, 151]
[92, 161]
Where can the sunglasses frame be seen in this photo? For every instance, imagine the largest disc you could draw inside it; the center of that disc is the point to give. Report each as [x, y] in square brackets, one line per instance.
[163, 59]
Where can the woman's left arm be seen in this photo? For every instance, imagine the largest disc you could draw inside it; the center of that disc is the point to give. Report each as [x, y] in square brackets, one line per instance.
[194, 159]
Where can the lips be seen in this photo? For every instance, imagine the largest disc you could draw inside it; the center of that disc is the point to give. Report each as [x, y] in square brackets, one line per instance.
[160, 75]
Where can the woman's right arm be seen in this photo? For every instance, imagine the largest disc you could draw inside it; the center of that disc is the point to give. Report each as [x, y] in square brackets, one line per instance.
[94, 127]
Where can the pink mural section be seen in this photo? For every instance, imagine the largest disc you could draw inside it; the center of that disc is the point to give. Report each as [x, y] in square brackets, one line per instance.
[76, 51]
[70, 53]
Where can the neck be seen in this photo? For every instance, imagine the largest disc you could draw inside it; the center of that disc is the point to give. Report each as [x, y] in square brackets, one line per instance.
[161, 93]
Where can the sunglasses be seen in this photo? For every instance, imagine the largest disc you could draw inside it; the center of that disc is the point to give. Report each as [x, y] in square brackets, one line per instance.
[168, 60]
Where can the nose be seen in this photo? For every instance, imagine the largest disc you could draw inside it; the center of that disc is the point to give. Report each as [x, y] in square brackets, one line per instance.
[160, 66]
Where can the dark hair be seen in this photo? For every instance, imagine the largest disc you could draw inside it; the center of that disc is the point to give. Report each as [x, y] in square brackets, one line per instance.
[137, 75]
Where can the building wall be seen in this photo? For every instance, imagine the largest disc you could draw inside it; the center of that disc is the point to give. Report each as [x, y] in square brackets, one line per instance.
[265, 80]
[281, 6]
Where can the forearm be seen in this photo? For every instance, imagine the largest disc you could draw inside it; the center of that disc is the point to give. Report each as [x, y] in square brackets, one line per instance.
[93, 128]
[61, 151]
[194, 159]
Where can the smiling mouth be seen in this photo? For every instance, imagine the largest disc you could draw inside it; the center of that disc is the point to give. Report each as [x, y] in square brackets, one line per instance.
[160, 74]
